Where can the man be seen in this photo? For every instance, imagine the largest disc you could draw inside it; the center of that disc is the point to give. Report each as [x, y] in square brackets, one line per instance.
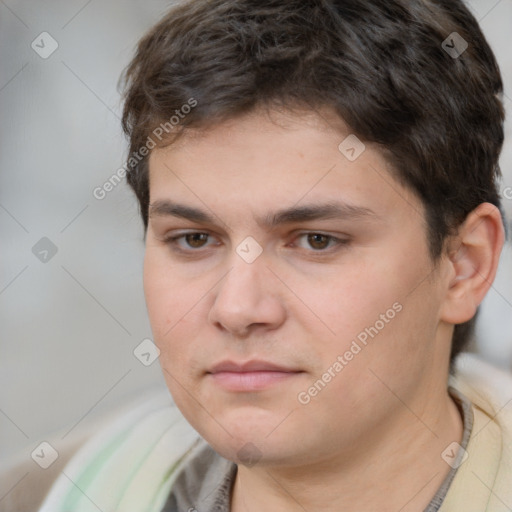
[318, 186]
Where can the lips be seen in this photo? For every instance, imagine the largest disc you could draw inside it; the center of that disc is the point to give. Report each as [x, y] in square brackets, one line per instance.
[250, 376]
[250, 366]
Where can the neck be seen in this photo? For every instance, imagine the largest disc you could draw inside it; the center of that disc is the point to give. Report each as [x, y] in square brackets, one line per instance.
[399, 469]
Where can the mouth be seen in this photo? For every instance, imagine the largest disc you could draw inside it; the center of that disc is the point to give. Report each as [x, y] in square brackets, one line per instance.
[251, 375]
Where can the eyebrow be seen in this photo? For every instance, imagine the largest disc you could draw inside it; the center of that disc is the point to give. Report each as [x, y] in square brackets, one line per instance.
[308, 212]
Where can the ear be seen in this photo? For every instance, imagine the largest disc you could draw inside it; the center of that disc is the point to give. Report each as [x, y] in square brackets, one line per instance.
[473, 257]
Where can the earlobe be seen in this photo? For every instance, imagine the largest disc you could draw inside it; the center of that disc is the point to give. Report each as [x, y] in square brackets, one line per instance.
[473, 261]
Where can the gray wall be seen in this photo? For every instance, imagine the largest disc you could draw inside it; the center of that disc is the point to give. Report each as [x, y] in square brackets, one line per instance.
[69, 321]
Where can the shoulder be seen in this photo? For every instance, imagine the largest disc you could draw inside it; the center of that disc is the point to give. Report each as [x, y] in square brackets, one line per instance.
[487, 386]
[132, 460]
[486, 467]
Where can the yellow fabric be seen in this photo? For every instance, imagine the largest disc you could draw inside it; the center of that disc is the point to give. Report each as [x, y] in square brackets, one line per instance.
[483, 482]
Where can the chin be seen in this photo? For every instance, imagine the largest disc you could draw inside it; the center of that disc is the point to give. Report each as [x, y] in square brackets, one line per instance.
[245, 433]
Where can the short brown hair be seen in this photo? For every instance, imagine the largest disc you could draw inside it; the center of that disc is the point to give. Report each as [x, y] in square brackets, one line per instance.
[381, 65]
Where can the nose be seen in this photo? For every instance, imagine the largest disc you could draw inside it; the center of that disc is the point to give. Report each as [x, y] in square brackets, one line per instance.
[247, 298]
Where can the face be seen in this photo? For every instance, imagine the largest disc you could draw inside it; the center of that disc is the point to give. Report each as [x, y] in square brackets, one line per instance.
[289, 288]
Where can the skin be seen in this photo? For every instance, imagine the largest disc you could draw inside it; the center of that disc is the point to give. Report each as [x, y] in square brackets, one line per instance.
[372, 438]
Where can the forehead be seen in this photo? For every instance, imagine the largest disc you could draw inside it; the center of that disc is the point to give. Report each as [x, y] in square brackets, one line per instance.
[274, 167]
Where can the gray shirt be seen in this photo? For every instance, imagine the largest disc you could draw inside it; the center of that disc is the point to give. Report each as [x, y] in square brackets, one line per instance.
[205, 479]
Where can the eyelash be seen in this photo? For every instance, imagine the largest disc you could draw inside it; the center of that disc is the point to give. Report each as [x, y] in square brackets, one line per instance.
[172, 241]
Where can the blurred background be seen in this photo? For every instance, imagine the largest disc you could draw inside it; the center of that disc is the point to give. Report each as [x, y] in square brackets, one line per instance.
[72, 310]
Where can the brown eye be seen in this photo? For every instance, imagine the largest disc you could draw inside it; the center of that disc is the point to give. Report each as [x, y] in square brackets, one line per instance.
[195, 239]
[321, 243]
[188, 242]
[318, 241]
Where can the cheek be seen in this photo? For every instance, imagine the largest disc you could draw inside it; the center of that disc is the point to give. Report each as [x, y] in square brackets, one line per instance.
[377, 303]
[167, 293]
[177, 305]
[167, 298]
[156, 292]
[351, 300]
